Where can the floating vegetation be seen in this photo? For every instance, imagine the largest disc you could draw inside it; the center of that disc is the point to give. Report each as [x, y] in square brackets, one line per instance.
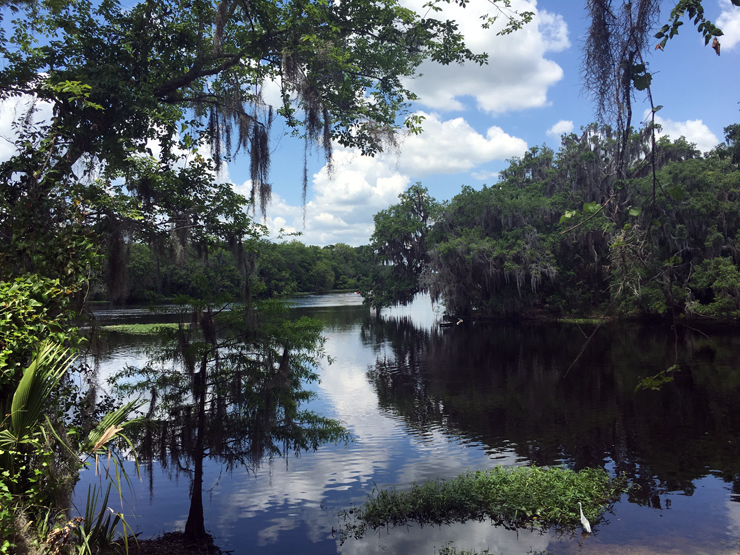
[514, 497]
[450, 549]
[138, 329]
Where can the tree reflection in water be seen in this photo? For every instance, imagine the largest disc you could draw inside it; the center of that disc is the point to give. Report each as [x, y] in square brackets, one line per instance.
[228, 386]
[506, 387]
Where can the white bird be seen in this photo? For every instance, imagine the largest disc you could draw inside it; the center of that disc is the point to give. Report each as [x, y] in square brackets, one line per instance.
[584, 520]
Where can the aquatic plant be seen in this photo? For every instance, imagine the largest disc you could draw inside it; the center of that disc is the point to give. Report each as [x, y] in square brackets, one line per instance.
[512, 497]
[138, 329]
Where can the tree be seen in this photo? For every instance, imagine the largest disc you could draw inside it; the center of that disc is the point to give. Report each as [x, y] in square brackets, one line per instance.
[135, 91]
[399, 245]
[559, 233]
[184, 71]
[614, 65]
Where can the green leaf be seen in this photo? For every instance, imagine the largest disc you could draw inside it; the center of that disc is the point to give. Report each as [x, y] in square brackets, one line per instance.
[591, 207]
[635, 211]
[642, 82]
[676, 192]
[568, 215]
[35, 387]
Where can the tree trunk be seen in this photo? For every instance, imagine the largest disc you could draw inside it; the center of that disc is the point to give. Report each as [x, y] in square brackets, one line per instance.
[195, 527]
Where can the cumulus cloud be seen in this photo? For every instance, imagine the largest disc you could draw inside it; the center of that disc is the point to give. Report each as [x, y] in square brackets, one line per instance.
[453, 146]
[563, 126]
[517, 75]
[729, 22]
[344, 202]
[695, 131]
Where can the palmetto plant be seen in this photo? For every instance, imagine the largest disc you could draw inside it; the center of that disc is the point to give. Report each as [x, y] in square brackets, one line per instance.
[30, 442]
[22, 431]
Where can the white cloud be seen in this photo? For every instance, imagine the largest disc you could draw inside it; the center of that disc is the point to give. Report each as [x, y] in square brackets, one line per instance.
[563, 126]
[695, 131]
[729, 22]
[453, 146]
[13, 110]
[271, 93]
[343, 205]
[485, 176]
[517, 75]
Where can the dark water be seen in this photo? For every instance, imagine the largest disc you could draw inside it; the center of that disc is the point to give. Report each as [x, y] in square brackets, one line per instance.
[424, 402]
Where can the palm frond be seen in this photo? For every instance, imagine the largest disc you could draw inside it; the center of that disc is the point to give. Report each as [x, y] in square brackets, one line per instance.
[33, 391]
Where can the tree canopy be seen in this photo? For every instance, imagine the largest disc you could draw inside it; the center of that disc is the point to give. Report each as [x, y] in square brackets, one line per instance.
[559, 233]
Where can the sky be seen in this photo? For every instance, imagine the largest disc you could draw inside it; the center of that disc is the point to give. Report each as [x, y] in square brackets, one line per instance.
[478, 117]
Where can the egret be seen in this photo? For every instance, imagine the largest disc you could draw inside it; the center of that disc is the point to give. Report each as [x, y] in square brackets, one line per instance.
[584, 520]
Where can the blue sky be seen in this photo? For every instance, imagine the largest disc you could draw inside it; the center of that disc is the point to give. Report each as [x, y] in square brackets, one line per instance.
[478, 117]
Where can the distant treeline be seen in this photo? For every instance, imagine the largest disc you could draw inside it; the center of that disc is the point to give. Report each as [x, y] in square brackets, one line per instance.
[275, 268]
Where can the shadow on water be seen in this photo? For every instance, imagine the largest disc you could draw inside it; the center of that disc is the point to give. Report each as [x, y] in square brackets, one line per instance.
[425, 402]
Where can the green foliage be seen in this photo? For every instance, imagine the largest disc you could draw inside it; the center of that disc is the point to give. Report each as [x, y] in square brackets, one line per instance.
[657, 381]
[399, 245]
[560, 233]
[32, 309]
[282, 268]
[322, 277]
[97, 532]
[450, 549]
[7, 511]
[39, 459]
[693, 10]
[518, 496]
[137, 329]
[716, 282]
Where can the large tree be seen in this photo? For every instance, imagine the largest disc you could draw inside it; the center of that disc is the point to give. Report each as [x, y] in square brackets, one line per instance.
[399, 245]
[118, 101]
[171, 75]
[125, 96]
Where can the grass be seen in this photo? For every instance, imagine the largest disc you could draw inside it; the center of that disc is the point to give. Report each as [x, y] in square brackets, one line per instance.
[138, 329]
[513, 497]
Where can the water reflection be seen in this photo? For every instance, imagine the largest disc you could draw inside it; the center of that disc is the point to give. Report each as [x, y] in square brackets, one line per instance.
[504, 386]
[423, 402]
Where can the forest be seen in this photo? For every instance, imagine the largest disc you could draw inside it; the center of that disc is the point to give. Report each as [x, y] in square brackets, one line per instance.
[560, 235]
[555, 236]
[281, 268]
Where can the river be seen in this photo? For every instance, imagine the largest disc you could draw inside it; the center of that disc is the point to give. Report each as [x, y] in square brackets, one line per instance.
[424, 402]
